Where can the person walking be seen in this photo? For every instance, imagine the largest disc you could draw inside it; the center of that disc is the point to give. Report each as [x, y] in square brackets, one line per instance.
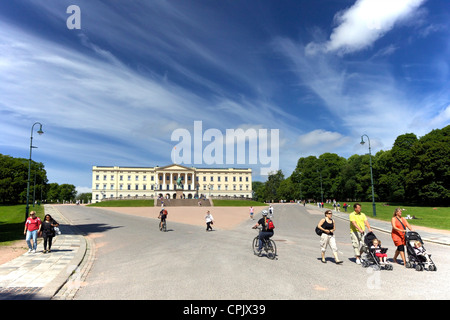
[209, 221]
[327, 238]
[399, 226]
[48, 232]
[252, 211]
[32, 228]
[358, 223]
[270, 211]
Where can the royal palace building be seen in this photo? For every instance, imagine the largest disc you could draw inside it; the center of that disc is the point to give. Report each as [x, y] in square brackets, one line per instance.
[170, 182]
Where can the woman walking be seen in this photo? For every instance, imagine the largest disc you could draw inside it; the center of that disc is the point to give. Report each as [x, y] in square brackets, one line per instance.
[399, 226]
[209, 221]
[48, 232]
[327, 238]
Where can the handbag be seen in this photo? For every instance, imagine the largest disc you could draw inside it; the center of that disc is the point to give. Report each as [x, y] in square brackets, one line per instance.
[57, 231]
[318, 231]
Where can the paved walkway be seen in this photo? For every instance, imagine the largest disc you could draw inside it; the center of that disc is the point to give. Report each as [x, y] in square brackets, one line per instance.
[40, 276]
[58, 275]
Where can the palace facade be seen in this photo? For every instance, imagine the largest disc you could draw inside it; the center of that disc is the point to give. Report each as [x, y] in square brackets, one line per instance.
[169, 181]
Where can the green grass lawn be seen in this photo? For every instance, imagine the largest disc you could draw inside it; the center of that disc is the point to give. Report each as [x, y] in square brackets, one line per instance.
[12, 222]
[123, 203]
[432, 217]
[238, 203]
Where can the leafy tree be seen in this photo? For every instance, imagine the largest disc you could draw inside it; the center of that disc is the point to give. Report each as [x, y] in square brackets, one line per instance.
[14, 177]
[273, 183]
[428, 181]
[85, 197]
[259, 190]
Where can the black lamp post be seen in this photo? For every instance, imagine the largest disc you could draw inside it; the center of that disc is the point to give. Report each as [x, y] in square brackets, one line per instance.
[371, 175]
[29, 166]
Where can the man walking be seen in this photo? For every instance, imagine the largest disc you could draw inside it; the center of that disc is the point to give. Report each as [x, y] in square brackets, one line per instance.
[358, 223]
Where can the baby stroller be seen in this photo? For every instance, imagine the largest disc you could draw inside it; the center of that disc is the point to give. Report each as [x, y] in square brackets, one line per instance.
[415, 260]
[369, 258]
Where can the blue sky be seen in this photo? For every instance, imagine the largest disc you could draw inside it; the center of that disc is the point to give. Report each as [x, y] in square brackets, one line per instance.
[321, 72]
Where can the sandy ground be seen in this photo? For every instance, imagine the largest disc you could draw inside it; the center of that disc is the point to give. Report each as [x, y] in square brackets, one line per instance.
[12, 251]
[224, 217]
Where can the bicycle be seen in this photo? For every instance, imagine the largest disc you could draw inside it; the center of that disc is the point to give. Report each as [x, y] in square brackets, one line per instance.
[269, 247]
[163, 226]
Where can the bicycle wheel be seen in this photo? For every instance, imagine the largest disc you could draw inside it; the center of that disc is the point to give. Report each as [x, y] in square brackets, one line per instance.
[271, 249]
[164, 226]
[255, 245]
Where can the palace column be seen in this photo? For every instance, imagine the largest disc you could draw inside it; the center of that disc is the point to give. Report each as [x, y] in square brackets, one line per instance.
[192, 182]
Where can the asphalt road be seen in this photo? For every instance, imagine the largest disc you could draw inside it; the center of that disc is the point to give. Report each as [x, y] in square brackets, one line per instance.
[134, 260]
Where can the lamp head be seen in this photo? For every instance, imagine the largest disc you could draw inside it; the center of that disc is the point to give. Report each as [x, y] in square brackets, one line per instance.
[362, 141]
[40, 130]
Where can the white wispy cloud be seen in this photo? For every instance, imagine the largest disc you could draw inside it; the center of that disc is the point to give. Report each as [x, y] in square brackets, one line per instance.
[113, 92]
[359, 26]
[97, 110]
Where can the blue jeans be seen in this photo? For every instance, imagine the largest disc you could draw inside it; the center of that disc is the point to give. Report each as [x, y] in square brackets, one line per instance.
[263, 235]
[32, 234]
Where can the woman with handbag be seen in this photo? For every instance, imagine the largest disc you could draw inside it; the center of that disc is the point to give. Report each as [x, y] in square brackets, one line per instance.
[327, 226]
[48, 232]
[399, 226]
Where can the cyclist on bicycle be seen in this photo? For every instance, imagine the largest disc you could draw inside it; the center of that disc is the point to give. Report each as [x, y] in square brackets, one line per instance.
[162, 215]
[265, 232]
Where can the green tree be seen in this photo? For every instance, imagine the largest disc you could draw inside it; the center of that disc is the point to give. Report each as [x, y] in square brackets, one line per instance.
[306, 177]
[259, 190]
[67, 192]
[85, 197]
[273, 183]
[428, 181]
[287, 190]
[14, 177]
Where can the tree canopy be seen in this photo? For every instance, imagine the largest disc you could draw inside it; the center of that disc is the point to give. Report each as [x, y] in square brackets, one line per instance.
[415, 170]
[13, 183]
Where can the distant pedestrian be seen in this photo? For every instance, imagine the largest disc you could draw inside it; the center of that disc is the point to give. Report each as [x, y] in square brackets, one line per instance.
[32, 228]
[252, 210]
[48, 232]
[209, 221]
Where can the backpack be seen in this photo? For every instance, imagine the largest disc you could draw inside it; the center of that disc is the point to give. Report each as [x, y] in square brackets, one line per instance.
[269, 224]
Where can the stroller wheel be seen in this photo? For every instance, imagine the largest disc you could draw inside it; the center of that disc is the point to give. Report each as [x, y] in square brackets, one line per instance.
[419, 267]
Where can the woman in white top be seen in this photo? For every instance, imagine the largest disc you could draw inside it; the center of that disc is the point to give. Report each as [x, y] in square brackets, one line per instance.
[209, 221]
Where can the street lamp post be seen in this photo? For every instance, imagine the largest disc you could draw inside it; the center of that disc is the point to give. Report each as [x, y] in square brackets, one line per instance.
[321, 188]
[371, 174]
[29, 166]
